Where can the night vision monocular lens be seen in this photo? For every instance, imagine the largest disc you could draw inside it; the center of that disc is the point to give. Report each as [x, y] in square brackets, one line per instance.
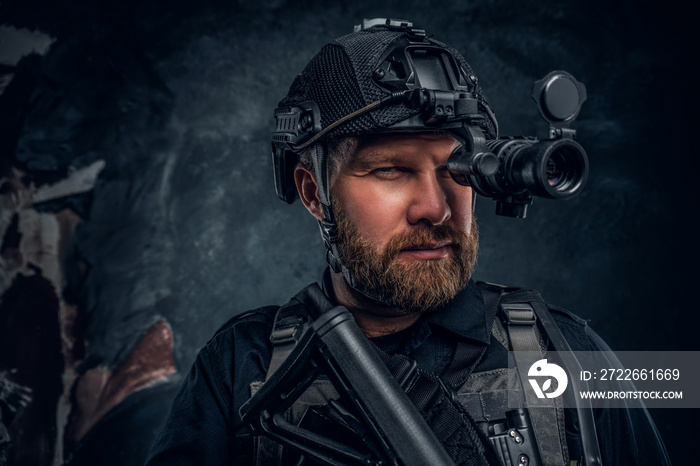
[564, 169]
[555, 171]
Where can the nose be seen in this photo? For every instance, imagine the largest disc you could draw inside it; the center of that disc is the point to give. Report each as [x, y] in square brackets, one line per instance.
[429, 201]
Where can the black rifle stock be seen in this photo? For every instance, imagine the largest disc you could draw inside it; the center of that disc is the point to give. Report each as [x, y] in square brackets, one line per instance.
[333, 345]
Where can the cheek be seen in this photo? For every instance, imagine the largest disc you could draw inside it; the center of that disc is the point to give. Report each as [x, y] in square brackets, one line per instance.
[466, 212]
[377, 214]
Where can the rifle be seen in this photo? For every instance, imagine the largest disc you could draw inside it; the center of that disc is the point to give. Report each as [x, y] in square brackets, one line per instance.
[383, 425]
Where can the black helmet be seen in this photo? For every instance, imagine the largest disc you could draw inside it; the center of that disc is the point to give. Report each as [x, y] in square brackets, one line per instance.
[385, 76]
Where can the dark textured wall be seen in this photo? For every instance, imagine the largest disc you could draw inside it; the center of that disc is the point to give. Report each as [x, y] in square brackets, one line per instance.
[184, 226]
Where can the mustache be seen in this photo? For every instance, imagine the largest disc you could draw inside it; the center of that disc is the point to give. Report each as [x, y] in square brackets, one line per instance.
[426, 237]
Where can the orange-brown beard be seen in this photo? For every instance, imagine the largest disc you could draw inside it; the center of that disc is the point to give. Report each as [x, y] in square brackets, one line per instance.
[414, 286]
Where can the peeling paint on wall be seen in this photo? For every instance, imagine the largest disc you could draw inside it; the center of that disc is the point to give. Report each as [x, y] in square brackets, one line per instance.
[33, 246]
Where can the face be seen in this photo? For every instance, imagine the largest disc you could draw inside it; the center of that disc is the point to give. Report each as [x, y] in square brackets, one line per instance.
[406, 229]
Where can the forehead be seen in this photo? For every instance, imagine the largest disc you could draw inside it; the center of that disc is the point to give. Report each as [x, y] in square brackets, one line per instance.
[397, 145]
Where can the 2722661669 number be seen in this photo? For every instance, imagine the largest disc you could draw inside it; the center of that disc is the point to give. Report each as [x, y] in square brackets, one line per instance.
[639, 374]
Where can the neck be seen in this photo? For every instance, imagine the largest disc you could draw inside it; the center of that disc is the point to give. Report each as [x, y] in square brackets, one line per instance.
[373, 318]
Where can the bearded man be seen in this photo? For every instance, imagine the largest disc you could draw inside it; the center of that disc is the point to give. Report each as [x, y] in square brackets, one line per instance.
[401, 242]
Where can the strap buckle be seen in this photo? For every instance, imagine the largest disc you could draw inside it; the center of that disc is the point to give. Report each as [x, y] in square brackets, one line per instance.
[518, 314]
[287, 330]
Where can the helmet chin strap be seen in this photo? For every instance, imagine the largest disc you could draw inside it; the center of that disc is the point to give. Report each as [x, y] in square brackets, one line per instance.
[328, 226]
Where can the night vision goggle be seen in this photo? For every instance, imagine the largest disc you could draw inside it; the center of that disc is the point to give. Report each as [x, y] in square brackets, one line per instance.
[427, 78]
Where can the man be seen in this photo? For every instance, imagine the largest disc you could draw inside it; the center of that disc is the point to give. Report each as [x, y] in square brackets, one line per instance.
[374, 167]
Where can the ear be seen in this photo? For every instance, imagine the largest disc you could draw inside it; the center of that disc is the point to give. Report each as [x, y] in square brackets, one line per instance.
[307, 187]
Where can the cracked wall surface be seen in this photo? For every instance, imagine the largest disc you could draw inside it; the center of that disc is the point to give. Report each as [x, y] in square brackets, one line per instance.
[138, 213]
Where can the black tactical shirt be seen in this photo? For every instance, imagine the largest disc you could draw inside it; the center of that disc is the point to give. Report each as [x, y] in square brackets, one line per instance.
[203, 426]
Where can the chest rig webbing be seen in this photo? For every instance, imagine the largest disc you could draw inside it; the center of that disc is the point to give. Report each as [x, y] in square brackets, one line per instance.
[521, 322]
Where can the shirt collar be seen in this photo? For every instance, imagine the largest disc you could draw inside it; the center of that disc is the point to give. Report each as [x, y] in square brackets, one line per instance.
[465, 315]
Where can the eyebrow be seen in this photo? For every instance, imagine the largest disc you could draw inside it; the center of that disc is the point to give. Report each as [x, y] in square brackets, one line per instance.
[374, 158]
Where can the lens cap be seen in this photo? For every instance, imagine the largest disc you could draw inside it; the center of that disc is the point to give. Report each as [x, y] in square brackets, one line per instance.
[559, 97]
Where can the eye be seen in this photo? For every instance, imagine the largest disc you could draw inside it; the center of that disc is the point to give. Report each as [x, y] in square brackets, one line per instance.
[388, 173]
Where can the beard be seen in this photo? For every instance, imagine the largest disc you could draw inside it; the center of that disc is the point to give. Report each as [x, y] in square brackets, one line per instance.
[409, 286]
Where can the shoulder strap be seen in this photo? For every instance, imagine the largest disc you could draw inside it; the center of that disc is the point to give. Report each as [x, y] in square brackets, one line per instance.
[522, 308]
[292, 320]
[519, 321]
[589, 439]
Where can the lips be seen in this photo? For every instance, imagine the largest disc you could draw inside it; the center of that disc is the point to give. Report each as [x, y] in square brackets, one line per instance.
[428, 247]
[430, 251]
